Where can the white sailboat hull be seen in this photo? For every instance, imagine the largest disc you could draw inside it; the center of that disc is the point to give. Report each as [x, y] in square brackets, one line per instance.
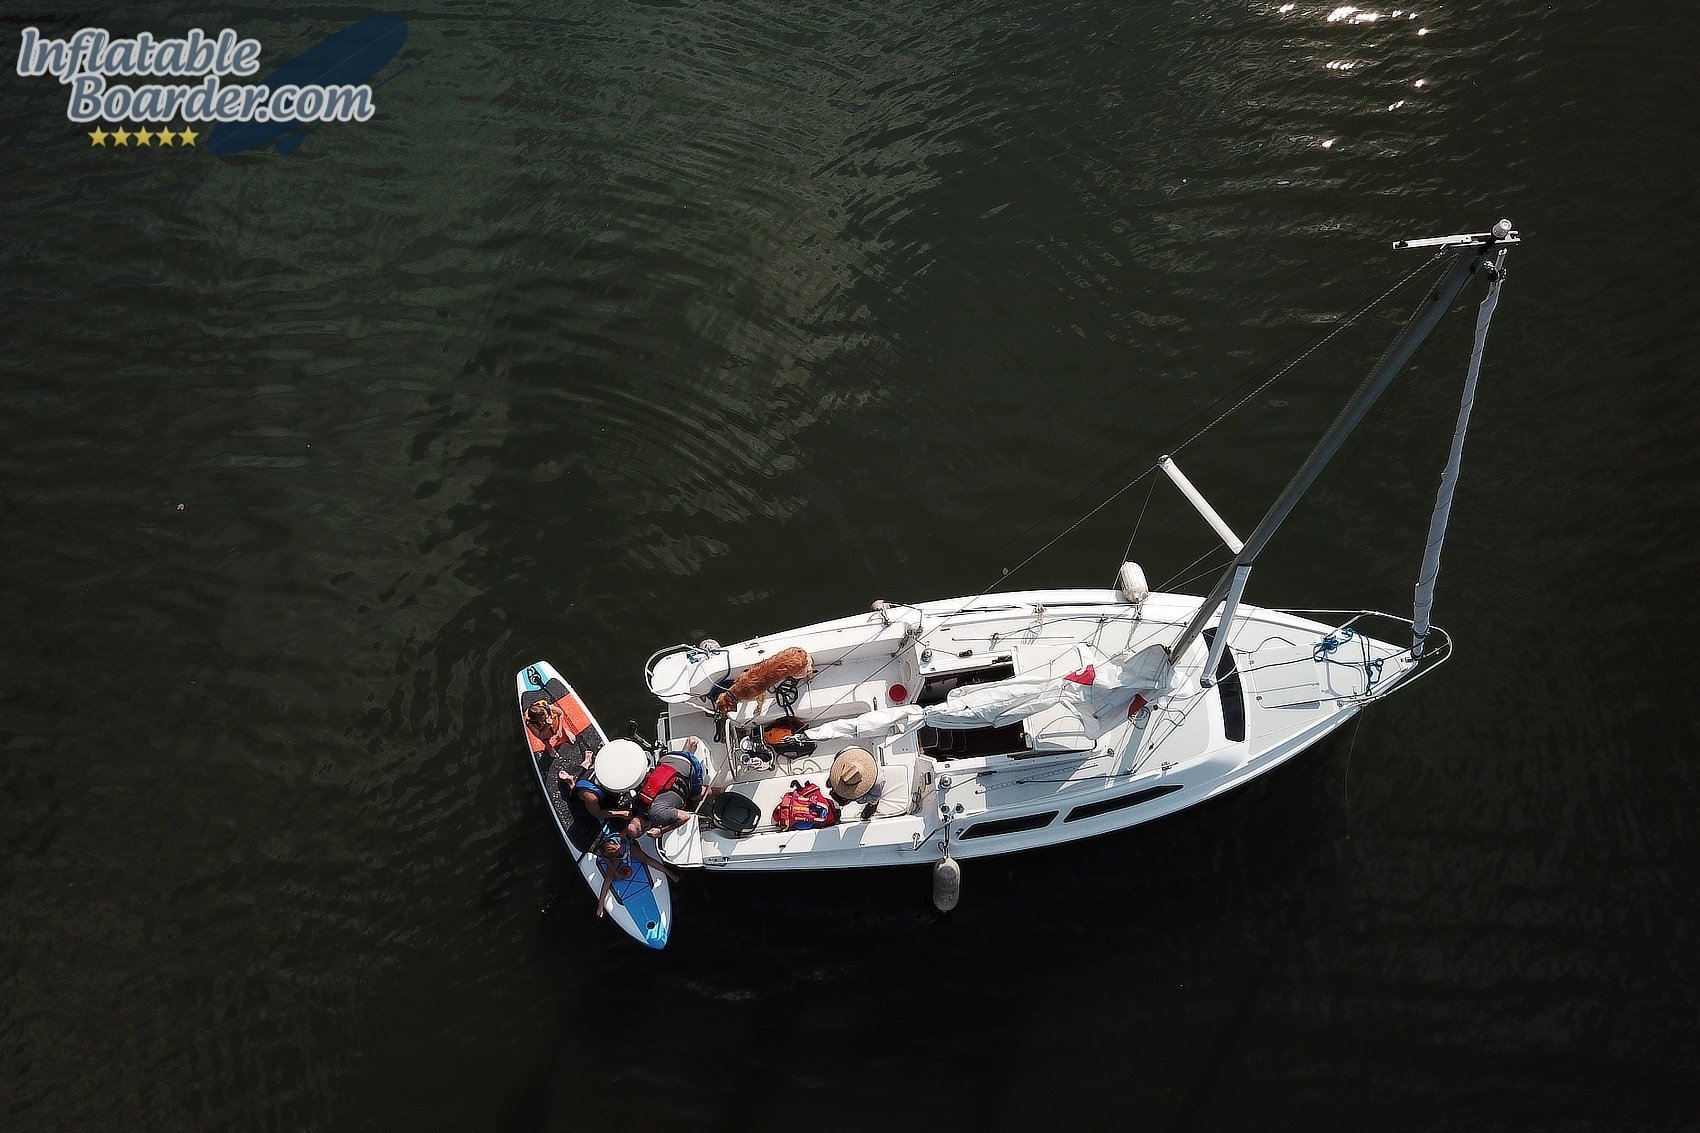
[1013, 721]
[1067, 772]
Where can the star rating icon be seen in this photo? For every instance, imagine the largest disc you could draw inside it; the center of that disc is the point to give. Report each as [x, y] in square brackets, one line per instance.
[100, 136]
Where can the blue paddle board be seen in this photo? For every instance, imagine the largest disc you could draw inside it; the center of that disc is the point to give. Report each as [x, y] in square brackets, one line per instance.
[642, 905]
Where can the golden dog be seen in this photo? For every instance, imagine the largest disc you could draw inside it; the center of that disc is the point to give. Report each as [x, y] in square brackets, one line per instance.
[755, 682]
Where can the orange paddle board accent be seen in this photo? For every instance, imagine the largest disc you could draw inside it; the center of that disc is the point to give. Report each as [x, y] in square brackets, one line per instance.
[578, 719]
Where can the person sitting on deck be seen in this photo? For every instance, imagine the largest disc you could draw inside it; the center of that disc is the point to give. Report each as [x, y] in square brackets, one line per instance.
[549, 724]
[855, 778]
[616, 850]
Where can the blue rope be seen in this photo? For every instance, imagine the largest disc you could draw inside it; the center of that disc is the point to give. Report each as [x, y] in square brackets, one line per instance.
[1325, 649]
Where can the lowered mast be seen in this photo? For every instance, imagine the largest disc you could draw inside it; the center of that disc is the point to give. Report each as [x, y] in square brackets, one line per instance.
[1472, 251]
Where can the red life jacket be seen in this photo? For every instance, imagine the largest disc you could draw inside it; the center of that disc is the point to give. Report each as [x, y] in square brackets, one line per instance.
[805, 808]
[660, 778]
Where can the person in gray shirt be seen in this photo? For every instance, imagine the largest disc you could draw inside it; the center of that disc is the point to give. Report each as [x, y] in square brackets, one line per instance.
[674, 806]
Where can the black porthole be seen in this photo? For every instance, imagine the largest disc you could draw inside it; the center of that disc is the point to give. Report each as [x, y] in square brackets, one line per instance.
[1008, 825]
[1107, 806]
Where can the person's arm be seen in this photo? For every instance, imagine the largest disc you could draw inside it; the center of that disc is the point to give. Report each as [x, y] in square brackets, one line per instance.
[594, 806]
[602, 897]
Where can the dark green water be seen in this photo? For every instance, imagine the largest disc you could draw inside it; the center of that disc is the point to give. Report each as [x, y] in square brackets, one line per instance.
[624, 324]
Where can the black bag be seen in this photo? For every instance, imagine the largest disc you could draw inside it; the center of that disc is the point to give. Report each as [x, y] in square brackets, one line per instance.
[784, 738]
[791, 747]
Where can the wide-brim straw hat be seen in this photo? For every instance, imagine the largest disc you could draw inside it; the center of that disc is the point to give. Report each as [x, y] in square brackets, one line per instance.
[853, 775]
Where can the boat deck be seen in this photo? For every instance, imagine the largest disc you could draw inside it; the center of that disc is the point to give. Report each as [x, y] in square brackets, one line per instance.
[1057, 775]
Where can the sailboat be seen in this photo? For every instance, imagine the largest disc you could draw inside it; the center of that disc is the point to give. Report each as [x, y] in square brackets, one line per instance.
[972, 726]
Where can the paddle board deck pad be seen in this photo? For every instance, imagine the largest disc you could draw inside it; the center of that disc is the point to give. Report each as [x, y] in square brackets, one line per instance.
[641, 905]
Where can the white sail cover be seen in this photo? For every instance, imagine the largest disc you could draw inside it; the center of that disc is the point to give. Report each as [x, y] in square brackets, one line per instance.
[1097, 691]
[880, 722]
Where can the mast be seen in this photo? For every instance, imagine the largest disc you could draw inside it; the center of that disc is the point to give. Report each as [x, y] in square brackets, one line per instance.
[1471, 251]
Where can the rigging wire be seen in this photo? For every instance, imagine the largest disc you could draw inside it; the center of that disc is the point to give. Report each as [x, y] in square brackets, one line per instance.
[1339, 328]
[1128, 550]
[1314, 347]
[1191, 578]
[1206, 553]
[1285, 367]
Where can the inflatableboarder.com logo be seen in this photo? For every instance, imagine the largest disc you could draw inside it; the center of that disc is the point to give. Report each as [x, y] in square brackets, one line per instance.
[328, 82]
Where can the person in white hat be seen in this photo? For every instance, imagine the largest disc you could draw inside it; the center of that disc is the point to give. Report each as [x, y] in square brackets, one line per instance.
[615, 772]
[855, 778]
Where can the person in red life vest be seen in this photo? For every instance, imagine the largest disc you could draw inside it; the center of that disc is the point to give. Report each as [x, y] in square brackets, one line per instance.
[617, 852]
[549, 724]
[672, 792]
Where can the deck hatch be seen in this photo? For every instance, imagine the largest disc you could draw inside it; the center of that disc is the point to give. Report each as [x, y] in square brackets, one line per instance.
[940, 685]
[968, 743]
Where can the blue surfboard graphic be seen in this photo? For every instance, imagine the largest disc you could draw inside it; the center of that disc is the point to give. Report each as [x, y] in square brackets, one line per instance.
[348, 57]
[635, 894]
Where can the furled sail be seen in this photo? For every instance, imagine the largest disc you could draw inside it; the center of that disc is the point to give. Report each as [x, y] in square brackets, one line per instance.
[1429, 572]
[1098, 690]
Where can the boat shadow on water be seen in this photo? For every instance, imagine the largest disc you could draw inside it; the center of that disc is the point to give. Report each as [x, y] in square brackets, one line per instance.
[1142, 904]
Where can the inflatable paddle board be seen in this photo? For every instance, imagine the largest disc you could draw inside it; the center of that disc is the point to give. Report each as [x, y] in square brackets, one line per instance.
[641, 904]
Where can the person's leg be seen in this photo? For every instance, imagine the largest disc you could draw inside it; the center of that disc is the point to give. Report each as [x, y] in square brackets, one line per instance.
[662, 866]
